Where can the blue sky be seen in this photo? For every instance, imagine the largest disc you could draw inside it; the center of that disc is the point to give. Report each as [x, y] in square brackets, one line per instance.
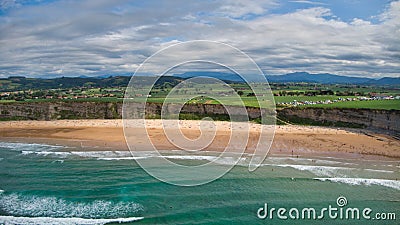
[49, 38]
[345, 10]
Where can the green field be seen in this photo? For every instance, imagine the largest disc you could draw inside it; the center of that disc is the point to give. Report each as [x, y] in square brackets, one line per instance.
[374, 104]
[249, 101]
[281, 99]
[103, 99]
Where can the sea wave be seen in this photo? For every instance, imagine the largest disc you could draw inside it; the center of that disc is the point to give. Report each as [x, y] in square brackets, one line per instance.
[323, 167]
[379, 171]
[37, 206]
[52, 220]
[329, 171]
[17, 146]
[81, 154]
[191, 157]
[315, 161]
[214, 159]
[116, 158]
[364, 181]
[126, 155]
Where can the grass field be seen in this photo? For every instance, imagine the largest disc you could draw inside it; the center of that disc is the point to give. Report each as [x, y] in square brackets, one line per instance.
[250, 101]
[375, 104]
[280, 99]
[103, 99]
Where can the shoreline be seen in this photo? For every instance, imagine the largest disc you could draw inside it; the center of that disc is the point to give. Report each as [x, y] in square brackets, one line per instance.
[291, 140]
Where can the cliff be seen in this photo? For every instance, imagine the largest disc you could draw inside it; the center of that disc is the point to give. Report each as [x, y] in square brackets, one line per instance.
[60, 110]
[373, 119]
[378, 120]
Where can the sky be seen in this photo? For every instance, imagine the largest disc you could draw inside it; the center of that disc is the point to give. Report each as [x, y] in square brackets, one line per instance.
[53, 38]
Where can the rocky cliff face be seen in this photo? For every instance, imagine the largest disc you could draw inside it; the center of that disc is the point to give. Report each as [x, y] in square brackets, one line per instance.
[388, 120]
[60, 110]
[99, 110]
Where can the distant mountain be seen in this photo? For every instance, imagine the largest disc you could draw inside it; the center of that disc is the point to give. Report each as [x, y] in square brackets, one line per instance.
[22, 83]
[323, 78]
[386, 81]
[18, 83]
[222, 76]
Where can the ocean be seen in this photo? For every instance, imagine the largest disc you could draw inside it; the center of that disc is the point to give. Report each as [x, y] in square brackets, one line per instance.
[50, 184]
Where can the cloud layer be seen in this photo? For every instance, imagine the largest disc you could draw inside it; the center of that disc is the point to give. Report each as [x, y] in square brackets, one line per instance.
[71, 38]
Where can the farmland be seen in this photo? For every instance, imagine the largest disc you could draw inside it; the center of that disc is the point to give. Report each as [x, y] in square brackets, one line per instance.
[381, 104]
[284, 94]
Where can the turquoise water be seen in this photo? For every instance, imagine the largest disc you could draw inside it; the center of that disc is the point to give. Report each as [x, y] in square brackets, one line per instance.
[45, 184]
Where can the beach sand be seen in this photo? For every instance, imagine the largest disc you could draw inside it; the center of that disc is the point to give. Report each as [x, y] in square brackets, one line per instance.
[288, 139]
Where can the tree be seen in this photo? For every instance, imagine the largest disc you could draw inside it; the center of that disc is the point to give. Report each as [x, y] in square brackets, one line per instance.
[240, 93]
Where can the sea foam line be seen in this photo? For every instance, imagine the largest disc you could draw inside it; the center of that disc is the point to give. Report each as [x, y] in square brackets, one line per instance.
[73, 220]
[121, 155]
[379, 171]
[364, 181]
[24, 146]
[40, 206]
[316, 170]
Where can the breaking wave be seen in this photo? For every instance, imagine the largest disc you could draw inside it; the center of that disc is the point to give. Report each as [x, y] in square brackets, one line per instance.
[62, 221]
[364, 181]
[37, 206]
[29, 146]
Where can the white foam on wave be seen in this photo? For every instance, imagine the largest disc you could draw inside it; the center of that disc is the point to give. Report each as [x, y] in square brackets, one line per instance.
[315, 161]
[364, 181]
[329, 171]
[46, 153]
[214, 159]
[50, 220]
[183, 157]
[37, 206]
[17, 146]
[1, 191]
[125, 155]
[58, 161]
[191, 157]
[379, 171]
[99, 154]
[81, 154]
[116, 158]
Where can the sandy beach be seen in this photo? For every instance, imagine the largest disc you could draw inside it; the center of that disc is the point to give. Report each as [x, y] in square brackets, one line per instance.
[289, 139]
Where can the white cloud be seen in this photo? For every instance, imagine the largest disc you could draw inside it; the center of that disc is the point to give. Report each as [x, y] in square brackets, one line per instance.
[108, 37]
[6, 4]
[239, 8]
[308, 2]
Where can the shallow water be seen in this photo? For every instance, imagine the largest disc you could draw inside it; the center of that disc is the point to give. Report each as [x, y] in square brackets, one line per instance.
[46, 184]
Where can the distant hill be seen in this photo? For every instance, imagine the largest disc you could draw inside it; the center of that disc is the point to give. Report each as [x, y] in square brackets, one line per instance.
[386, 81]
[19, 83]
[22, 83]
[324, 78]
[222, 76]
